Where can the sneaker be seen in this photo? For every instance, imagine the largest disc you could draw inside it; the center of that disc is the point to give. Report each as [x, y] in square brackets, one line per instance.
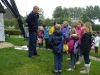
[37, 48]
[77, 63]
[70, 66]
[68, 59]
[70, 69]
[56, 73]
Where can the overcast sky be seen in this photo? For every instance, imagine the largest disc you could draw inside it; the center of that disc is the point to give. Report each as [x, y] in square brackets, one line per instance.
[49, 5]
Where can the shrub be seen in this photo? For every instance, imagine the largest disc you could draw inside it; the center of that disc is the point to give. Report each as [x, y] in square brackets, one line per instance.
[12, 32]
[96, 27]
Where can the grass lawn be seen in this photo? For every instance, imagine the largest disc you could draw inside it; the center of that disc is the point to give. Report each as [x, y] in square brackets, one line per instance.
[16, 40]
[20, 42]
[14, 62]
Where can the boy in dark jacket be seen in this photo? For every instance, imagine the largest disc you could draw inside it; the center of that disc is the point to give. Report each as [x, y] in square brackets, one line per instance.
[57, 39]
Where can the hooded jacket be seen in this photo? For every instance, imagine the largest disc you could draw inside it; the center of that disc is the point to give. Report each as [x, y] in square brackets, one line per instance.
[55, 39]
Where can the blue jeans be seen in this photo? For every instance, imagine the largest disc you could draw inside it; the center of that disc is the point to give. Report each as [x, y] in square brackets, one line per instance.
[86, 58]
[32, 43]
[58, 58]
[73, 60]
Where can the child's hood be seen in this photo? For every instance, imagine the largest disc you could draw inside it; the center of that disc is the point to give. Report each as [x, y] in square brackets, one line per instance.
[58, 32]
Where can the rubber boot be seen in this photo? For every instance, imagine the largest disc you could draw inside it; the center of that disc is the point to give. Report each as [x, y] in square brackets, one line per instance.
[86, 70]
[79, 61]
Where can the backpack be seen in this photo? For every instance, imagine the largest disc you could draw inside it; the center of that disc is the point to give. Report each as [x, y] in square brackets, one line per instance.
[76, 46]
[70, 45]
[60, 47]
[65, 46]
[73, 46]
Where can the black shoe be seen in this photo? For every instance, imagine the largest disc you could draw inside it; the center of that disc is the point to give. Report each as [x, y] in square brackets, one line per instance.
[56, 73]
[37, 55]
[59, 72]
[31, 56]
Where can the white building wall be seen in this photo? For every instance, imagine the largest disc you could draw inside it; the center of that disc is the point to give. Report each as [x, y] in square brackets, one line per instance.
[2, 35]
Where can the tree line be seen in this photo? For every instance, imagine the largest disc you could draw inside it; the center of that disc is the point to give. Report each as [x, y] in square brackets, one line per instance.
[90, 12]
[60, 14]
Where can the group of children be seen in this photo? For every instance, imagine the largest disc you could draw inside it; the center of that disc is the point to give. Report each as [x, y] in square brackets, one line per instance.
[79, 41]
[43, 34]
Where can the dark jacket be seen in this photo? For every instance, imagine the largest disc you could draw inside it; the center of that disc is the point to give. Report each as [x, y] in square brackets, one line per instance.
[55, 39]
[32, 21]
[86, 42]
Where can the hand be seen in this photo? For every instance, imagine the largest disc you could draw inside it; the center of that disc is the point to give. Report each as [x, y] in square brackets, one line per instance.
[33, 26]
[74, 35]
[37, 13]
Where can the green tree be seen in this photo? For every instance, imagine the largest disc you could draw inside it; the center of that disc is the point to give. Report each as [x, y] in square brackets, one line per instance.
[16, 26]
[7, 22]
[24, 20]
[72, 13]
[76, 12]
[41, 17]
[41, 14]
[89, 12]
[12, 22]
[40, 22]
[96, 12]
[85, 18]
[65, 13]
[58, 12]
[47, 22]
[61, 20]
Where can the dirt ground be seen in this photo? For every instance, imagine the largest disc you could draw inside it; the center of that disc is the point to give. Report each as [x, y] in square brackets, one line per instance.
[5, 45]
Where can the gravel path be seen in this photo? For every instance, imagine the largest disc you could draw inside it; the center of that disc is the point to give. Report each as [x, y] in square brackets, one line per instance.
[5, 45]
[95, 58]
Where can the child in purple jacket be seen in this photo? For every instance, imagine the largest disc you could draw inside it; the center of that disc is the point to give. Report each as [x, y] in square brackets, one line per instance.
[65, 29]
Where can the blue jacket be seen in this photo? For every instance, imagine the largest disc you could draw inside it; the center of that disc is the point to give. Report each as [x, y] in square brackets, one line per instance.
[46, 33]
[32, 21]
[66, 31]
[55, 39]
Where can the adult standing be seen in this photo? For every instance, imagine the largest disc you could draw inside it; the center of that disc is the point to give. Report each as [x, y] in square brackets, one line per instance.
[32, 21]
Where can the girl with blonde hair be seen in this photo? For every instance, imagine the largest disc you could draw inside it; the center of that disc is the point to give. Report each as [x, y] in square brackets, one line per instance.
[85, 47]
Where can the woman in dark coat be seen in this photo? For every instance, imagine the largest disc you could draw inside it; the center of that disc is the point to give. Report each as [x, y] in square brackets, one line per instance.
[86, 46]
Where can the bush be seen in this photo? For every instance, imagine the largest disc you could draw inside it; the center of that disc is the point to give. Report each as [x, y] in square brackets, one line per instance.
[12, 32]
[96, 27]
[94, 32]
